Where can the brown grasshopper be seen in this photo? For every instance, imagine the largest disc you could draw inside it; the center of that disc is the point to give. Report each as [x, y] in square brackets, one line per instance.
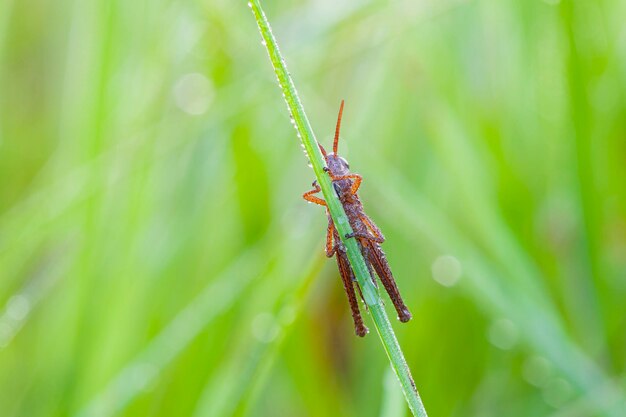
[368, 235]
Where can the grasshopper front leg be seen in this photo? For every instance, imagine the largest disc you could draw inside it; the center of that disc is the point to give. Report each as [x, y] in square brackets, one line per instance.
[308, 196]
[355, 185]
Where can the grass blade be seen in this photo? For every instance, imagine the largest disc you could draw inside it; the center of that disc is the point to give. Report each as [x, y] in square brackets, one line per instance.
[370, 293]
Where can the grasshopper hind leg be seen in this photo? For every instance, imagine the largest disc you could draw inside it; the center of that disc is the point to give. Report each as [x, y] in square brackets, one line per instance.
[347, 276]
[379, 261]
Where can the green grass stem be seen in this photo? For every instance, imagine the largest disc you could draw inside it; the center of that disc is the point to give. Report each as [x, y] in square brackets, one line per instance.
[370, 293]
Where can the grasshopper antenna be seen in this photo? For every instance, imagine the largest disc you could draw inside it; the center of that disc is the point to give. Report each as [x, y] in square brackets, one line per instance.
[336, 142]
[323, 151]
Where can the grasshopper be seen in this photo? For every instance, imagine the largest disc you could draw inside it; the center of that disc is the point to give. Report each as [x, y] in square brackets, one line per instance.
[368, 235]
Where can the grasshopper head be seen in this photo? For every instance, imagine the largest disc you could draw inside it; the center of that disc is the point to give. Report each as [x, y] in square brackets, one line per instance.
[337, 165]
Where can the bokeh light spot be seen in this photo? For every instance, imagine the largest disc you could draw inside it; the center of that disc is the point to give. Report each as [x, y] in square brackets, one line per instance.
[446, 270]
[193, 93]
[557, 392]
[536, 370]
[264, 327]
[503, 334]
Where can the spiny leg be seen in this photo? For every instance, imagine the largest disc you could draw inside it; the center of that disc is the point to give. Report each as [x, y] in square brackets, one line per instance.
[364, 251]
[375, 236]
[379, 261]
[339, 247]
[366, 257]
[373, 228]
[331, 232]
[356, 284]
[347, 276]
[308, 196]
[355, 185]
[365, 236]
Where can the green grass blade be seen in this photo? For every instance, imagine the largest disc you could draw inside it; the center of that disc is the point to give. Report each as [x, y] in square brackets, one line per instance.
[370, 293]
[392, 404]
[143, 370]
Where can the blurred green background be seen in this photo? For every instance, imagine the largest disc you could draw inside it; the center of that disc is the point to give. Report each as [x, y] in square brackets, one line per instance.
[156, 257]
